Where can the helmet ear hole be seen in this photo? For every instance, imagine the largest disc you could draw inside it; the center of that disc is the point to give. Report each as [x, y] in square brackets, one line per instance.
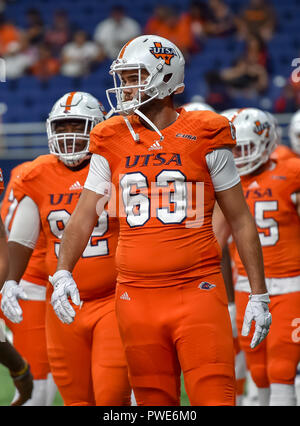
[167, 77]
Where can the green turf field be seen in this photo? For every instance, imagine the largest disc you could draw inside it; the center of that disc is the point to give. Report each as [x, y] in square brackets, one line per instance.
[7, 390]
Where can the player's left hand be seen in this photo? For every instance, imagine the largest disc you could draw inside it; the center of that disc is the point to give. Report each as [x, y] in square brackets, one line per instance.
[257, 310]
[64, 287]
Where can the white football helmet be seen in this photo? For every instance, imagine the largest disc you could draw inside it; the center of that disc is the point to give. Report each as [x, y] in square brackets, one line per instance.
[78, 106]
[294, 132]
[164, 63]
[198, 106]
[255, 139]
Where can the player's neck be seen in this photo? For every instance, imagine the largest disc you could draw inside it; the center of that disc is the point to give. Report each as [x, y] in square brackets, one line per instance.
[161, 112]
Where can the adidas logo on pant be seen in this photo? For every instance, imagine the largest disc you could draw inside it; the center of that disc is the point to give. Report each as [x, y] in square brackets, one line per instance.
[125, 296]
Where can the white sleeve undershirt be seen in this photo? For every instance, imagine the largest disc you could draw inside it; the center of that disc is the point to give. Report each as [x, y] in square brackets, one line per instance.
[220, 163]
[26, 224]
[99, 176]
[222, 168]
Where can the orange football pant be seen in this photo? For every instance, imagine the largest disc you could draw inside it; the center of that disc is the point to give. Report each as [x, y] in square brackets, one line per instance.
[29, 337]
[86, 357]
[181, 327]
[275, 359]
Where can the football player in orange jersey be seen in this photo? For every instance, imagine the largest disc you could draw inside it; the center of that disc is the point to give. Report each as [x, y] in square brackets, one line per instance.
[272, 191]
[32, 290]
[171, 301]
[86, 357]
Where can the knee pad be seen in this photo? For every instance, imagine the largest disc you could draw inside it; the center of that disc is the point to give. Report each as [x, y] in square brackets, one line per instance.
[259, 375]
[282, 371]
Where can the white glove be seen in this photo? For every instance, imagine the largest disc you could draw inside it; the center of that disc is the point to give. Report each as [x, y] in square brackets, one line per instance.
[11, 292]
[232, 313]
[64, 287]
[257, 310]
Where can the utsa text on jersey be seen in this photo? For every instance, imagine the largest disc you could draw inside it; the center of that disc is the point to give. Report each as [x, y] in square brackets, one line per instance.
[153, 160]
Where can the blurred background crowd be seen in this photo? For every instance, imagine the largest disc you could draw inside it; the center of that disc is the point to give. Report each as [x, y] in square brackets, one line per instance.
[238, 53]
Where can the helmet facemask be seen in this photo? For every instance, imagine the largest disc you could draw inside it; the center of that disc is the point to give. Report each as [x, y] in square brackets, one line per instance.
[143, 87]
[72, 148]
[250, 155]
[146, 86]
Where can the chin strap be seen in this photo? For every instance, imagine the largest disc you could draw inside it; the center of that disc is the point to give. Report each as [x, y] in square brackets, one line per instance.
[136, 136]
[145, 118]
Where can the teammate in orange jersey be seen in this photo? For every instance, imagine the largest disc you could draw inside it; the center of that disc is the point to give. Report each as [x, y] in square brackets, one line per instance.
[171, 301]
[272, 191]
[33, 289]
[86, 357]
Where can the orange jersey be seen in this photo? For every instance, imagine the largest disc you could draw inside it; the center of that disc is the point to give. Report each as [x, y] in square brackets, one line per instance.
[56, 189]
[270, 198]
[1, 182]
[282, 152]
[35, 271]
[166, 234]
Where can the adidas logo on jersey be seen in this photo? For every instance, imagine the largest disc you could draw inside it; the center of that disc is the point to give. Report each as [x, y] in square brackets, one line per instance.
[253, 185]
[75, 186]
[154, 146]
[125, 296]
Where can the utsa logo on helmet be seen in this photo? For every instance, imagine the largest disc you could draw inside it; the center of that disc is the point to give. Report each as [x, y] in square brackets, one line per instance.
[165, 53]
[260, 127]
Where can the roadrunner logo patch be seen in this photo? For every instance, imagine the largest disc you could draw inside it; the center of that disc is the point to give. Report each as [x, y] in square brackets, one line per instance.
[206, 286]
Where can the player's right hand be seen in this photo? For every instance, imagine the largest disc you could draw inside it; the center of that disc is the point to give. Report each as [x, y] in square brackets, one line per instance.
[64, 287]
[11, 292]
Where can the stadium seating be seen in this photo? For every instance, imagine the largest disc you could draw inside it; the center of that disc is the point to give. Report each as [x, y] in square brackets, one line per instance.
[30, 100]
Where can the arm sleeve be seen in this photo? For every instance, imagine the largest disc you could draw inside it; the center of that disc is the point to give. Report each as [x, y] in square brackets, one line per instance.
[99, 176]
[223, 171]
[27, 213]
